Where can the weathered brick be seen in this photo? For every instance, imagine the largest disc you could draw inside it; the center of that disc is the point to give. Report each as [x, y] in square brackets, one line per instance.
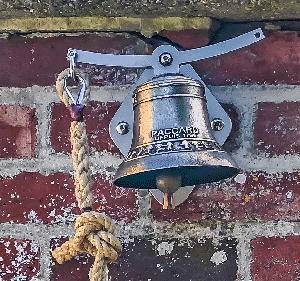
[276, 128]
[19, 259]
[258, 196]
[149, 259]
[37, 61]
[97, 117]
[38, 198]
[206, 202]
[188, 38]
[17, 131]
[273, 60]
[272, 197]
[75, 269]
[35, 197]
[117, 202]
[275, 258]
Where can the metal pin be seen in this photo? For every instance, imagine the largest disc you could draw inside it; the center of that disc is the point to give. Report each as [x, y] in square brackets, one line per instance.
[71, 56]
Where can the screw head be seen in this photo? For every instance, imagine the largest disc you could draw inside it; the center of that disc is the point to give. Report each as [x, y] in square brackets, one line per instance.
[122, 128]
[217, 124]
[165, 59]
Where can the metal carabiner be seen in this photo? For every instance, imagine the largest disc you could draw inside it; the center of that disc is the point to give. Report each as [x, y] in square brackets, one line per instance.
[71, 56]
[82, 90]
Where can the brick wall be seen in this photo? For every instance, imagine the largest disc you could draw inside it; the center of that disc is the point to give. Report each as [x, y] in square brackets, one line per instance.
[245, 228]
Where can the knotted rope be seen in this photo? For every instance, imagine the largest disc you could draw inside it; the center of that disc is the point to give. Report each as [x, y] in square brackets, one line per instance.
[93, 231]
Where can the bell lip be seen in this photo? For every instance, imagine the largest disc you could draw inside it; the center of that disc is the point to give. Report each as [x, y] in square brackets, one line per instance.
[194, 167]
[139, 180]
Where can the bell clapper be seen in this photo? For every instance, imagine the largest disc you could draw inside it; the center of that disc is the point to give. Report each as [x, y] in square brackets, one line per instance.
[168, 183]
[168, 201]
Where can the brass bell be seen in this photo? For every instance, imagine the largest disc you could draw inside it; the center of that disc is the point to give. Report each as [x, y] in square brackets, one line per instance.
[173, 145]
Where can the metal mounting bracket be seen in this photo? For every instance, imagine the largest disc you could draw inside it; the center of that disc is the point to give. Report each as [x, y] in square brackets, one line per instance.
[125, 114]
[167, 59]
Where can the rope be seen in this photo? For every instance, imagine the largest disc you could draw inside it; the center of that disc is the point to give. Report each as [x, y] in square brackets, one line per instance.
[93, 231]
[83, 178]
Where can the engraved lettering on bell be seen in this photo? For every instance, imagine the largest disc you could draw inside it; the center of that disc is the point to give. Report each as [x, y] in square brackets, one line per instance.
[175, 133]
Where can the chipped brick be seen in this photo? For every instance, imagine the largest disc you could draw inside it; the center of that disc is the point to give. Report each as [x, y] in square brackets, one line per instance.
[38, 61]
[223, 203]
[17, 131]
[272, 197]
[262, 196]
[32, 197]
[19, 259]
[117, 202]
[272, 60]
[275, 258]
[276, 128]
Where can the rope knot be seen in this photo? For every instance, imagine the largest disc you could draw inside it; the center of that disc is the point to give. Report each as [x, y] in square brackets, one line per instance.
[93, 235]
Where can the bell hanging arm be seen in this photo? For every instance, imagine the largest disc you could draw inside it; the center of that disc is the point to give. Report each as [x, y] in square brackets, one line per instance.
[174, 57]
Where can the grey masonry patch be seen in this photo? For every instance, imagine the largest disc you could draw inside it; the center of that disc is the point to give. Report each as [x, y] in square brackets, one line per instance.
[174, 259]
[228, 9]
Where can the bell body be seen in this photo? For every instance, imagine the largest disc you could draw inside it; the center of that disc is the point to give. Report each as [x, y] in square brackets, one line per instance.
[172, 135]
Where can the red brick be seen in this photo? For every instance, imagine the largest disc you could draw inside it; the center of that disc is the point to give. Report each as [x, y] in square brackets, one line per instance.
[117, 202]
[206, 203]
[276, 128]
[275, 258]
[17, 131]
[35, 197]
[274, 60]
[97, 117]
[37, 61]
[267, 197]
[188, 38]
[272, 196]
[19, 259]
[76, 269]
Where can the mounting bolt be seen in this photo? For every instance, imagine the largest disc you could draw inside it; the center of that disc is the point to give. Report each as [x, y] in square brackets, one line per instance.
[122, 128]
[165, 59]
[217, 124]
